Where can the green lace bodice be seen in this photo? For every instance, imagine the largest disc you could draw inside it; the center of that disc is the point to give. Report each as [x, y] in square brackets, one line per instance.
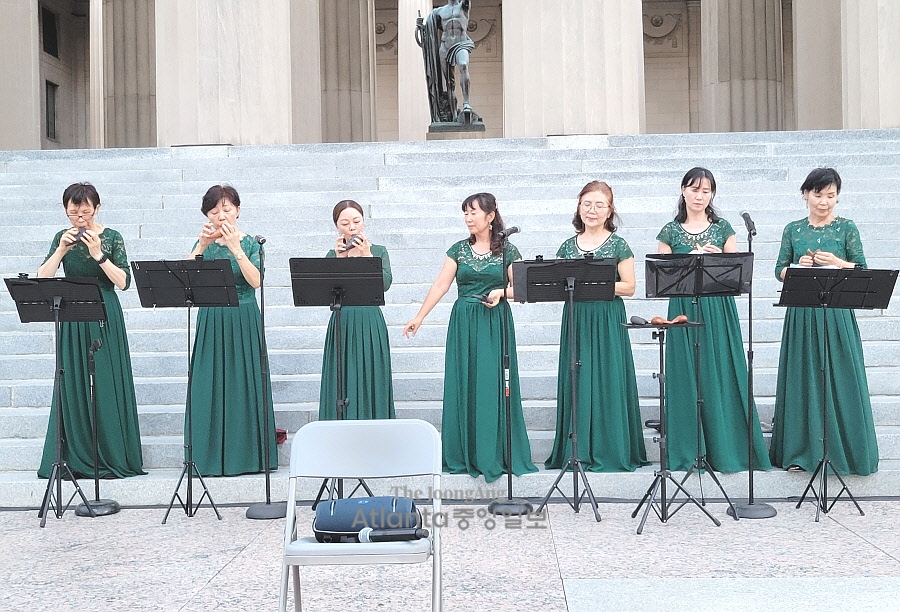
[378, 251]
[78, 261]
[251, 251]
[479, 274]
[681, 241]
[840, 237]
[615, 247]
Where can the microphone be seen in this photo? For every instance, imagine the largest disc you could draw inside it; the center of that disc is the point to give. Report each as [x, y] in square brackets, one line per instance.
[748, 222]
[95, 346]
[259, 239]
[367, 534]
[636, 320]
[509, 231]
[354, 242]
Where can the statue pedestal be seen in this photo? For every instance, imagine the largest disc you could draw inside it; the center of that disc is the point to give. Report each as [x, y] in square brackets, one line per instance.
[454, 131]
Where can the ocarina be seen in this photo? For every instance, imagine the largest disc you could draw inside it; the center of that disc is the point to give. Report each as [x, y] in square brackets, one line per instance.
[680, 319]
[658, 321]
[217, 233]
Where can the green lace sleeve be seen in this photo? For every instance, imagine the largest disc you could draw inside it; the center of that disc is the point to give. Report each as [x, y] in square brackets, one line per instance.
[727, 230]
[118, 255]
[854, 245]
[786, 253]
[386, 273]
[252, 251]
[453, 251]
[54, 245]
[512, 253]
[623, 251]
[665, 234]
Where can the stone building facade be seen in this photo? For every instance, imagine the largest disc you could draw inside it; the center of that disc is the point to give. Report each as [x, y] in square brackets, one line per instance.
[137, 73]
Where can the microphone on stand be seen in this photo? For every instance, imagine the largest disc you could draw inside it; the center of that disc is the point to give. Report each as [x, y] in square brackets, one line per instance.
[509, 231]
[354, 242]
[259, 239]
[367, 534]
[748, 222]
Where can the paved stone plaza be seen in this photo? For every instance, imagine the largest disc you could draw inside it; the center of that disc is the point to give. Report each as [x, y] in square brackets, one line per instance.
[130, 561]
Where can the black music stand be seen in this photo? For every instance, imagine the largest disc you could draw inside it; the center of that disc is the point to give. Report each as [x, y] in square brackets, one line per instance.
[833, 288]
[557, 281]
[663, 474]
[59, 300]
[180, 283]
[337, 282]
[696, 276]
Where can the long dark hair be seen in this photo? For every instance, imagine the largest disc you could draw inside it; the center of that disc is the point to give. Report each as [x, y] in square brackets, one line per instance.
[602, 187]
[693, 178]
[488, 203]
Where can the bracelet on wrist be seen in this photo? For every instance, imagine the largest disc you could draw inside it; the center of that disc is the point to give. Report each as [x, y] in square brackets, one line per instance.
[102, 259]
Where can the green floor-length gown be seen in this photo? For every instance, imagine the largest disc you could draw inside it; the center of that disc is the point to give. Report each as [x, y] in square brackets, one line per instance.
[723, 373]
[118, 432]
[226, 391]
[366, 357]
[610, 436]
[473, 430]
[797, 435]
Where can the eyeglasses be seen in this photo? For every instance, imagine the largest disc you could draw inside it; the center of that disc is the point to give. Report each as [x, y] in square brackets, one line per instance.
[594, 205]
[87, 216]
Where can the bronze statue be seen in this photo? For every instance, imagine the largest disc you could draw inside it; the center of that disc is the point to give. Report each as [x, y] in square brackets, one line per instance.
[446, 46]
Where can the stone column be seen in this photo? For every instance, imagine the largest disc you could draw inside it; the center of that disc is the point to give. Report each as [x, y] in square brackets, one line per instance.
[223, 72]
[348, 70]
[817, 64]
[20, 86]
[129, 73]
[306, 80]
[412, 91]
[572, 67]
[742, 69]
[694, 62]
[870, 63]
[96, 111]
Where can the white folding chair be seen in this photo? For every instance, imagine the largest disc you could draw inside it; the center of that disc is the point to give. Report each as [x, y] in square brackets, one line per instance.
[385, 448]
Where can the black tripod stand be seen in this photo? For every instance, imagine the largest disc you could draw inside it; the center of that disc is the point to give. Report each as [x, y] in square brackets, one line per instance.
[337, 282]
[58, 300]
[697, 276]
[663, 475]
[833, 288]
[553, 281]
[181, 283]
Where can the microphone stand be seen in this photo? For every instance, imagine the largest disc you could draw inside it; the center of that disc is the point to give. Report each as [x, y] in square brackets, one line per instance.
[508, 506]
[265, 510]
[751, 509]
[100, 507]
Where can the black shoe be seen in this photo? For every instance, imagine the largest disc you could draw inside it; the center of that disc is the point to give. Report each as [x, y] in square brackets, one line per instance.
[653, 424]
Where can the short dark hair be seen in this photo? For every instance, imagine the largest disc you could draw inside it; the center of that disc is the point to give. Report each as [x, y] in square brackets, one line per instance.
[216, 194]
[605, 189]
[488, 203]
[693, 177]
[79, 193]
[820, 178]
[344, 205]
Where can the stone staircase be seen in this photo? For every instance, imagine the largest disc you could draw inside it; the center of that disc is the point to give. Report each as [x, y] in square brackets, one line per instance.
[411, 193]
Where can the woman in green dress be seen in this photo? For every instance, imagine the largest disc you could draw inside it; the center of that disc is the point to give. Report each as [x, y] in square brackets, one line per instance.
[697, 228]
[822, 239]
[365, 349]
[473, 429]
[226, 393]
[88, 249]
[608, 415]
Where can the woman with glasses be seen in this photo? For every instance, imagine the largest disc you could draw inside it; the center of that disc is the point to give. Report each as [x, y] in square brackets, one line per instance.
[697, 228]
[88, 249]
[608, 417]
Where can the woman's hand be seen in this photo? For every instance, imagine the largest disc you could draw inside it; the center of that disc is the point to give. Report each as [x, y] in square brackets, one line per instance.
[807, 260]
[707, 248]
[231, 238]
[410, 329]
[67, 240]
[824, 258]
[361, 246]
[92, 240]
[208, 234]
[493, 298]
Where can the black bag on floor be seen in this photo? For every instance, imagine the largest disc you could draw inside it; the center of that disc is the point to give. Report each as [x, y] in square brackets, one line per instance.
[341, 520]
